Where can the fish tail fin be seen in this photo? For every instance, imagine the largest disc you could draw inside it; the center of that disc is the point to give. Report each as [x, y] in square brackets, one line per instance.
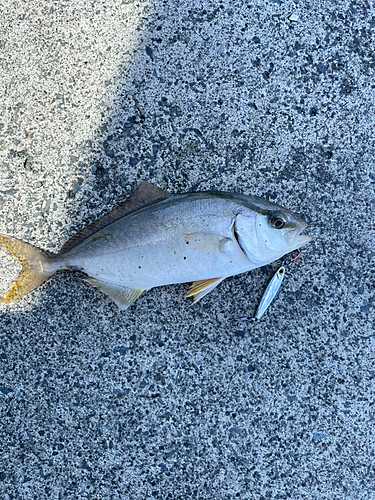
[36, 268]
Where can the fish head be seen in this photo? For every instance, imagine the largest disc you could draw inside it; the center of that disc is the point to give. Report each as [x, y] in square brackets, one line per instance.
[266, 231]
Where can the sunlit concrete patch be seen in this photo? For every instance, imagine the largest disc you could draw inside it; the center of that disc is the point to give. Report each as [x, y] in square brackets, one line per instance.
[60, 69]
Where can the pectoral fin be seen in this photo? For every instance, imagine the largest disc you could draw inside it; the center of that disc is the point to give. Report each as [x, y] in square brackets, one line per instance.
[123, 296]
[201, 288]
[207, 242]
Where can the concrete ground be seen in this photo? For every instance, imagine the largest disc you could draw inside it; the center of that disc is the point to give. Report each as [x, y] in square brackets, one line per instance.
[269, 97]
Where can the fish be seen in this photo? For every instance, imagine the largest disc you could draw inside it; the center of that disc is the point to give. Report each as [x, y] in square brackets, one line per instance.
[270, 292]
[155, 238]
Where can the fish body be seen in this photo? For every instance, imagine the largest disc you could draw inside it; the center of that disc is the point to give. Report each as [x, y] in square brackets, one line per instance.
[157, 239]
[270, 292]
[183, 238]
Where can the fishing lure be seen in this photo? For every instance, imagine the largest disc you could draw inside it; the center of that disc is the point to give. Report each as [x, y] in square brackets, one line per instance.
[270, 293]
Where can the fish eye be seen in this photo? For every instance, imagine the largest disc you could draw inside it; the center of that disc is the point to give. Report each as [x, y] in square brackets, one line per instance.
[277, 222]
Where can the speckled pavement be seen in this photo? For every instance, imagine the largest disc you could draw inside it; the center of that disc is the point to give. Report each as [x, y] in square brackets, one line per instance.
[165, 401]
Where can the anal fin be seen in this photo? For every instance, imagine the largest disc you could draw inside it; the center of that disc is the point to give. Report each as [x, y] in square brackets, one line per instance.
[123, 296]
[201, 288]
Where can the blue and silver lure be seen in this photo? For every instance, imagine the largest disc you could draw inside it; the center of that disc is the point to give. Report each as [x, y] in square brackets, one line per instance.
[271, 291]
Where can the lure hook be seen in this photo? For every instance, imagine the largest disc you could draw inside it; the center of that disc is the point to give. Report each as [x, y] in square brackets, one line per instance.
[296, 257]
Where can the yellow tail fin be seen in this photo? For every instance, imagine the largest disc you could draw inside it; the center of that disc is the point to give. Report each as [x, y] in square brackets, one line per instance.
[36, 268]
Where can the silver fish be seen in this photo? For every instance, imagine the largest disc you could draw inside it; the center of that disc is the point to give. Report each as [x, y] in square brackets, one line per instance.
[155, 238]
[270, 292]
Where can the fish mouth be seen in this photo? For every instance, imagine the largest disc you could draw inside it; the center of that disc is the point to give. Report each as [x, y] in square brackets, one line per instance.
[297, 239]
[300, 240]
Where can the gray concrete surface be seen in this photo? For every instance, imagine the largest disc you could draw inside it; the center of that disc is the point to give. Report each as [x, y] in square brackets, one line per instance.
[165, 400]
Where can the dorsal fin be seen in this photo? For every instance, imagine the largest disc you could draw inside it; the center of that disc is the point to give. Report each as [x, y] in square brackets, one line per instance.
[145, 194]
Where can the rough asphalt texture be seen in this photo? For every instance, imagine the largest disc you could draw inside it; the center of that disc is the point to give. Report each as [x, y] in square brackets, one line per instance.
[273, 98]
